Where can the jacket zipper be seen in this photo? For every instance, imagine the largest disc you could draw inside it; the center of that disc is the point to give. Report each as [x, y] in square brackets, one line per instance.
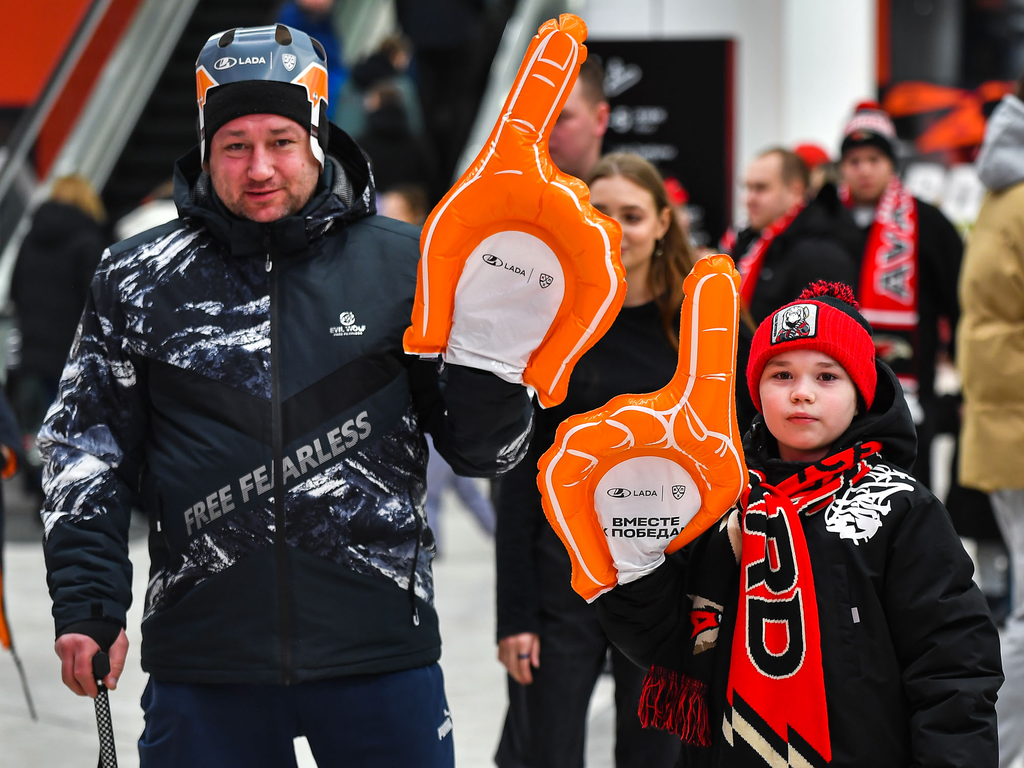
[412, 574]
[280, 539]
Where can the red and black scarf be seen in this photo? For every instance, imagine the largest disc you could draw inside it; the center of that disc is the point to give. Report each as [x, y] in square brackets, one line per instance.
[749, 264]
[889, 279]
[776, 703]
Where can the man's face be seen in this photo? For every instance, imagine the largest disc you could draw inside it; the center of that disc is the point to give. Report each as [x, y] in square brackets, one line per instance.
[867, 171]
[262, 167]
[575, 142]
[768, 197]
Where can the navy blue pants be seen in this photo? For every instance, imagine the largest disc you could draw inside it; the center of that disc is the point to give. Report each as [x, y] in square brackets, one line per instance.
[363, 721]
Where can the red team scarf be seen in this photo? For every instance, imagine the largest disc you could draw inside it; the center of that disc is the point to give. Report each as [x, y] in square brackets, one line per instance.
[889, 273]
[776, 690]
[750, 263]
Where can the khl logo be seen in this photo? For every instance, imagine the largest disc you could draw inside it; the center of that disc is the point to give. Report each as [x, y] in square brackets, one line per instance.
[545, 279]
[289, 61]
[678, 491]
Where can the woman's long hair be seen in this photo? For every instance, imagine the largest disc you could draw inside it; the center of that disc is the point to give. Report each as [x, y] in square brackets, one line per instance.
[670, 267]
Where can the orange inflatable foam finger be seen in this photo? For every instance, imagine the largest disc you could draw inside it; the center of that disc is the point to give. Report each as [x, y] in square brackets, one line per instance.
[626, 484]
[519, 274]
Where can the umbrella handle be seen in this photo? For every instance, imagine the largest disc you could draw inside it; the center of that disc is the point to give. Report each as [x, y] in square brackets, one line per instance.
[104, 724]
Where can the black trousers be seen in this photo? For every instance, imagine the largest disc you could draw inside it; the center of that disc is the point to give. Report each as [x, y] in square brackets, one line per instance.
[546, 723]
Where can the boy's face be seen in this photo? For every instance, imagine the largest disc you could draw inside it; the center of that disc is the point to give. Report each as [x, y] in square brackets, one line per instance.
[808, 401]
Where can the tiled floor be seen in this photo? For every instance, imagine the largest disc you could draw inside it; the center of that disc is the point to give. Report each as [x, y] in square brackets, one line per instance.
[65, 735]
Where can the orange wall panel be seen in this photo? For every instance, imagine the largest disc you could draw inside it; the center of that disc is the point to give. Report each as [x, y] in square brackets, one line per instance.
[33, 36]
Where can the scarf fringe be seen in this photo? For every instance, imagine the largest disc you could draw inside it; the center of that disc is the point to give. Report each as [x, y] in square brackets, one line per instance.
[674, 702]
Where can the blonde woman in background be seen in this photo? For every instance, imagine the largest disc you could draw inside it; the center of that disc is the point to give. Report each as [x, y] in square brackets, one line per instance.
[51, 279]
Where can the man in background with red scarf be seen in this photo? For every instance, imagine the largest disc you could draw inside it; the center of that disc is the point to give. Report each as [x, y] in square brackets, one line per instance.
[908, 270]
[788, 241]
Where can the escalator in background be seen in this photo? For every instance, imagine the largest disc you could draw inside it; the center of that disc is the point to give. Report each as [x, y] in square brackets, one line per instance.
[166, 128]
[128, 123]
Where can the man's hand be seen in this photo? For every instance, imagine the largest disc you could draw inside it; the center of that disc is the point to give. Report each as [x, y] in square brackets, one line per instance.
[520, 654]
[520, 275]
[646, 474]
[76, 652]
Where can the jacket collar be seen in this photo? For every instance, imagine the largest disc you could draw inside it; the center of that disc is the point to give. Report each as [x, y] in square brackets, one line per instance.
[344, 193]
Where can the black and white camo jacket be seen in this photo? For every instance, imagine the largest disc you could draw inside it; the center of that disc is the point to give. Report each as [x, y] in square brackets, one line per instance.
[245, 386]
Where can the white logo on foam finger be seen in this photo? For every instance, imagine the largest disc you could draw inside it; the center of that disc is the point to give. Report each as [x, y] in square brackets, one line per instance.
[511, 280]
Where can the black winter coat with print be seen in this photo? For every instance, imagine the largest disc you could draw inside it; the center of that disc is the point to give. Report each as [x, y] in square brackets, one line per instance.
[246, 386]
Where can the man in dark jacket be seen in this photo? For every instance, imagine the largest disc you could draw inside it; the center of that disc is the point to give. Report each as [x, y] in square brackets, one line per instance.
[239, 374]
[908, 266]
[789, 242]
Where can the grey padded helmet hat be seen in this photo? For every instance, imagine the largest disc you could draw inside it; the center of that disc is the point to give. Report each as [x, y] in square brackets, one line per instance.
[262, 70]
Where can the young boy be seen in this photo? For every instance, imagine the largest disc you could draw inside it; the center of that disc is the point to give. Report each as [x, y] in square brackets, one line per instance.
[831, 618]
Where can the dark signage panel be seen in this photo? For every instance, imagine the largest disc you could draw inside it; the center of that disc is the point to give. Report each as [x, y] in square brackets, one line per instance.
[672, 103]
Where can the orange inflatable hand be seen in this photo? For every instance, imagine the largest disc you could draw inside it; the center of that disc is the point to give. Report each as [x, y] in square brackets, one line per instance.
[646, 474]
[520, 275]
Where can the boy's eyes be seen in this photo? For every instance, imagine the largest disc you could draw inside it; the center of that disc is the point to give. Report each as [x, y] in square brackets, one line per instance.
[786, 375]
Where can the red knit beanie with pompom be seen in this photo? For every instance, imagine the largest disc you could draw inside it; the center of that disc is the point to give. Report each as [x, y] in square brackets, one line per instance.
[825, 318]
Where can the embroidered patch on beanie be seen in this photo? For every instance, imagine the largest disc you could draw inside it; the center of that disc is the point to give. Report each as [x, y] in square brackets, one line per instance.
[797, 321]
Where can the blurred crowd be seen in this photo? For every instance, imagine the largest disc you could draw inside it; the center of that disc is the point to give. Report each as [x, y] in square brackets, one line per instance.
[838, 213]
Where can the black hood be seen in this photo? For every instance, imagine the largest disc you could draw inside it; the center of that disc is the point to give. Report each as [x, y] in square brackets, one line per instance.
[372, 70]
[56, 223]
[389, 121]
[344, 193]
[888, 421]
[826, 218]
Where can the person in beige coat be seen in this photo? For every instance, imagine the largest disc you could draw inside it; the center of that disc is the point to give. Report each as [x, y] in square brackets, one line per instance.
[990, 354]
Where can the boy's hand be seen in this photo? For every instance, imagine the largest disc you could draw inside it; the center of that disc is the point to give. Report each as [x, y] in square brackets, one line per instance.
[646, 474]
[520, 275]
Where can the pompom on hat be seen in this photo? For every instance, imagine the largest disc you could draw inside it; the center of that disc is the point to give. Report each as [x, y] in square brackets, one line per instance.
[825, 318]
